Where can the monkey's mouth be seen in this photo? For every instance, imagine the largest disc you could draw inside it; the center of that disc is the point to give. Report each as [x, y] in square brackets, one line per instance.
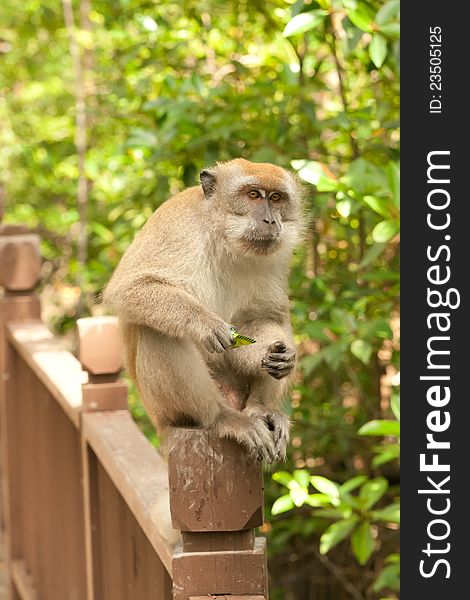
[261, 244]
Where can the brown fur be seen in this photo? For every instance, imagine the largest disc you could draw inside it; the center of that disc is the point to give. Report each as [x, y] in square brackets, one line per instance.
[208, 258]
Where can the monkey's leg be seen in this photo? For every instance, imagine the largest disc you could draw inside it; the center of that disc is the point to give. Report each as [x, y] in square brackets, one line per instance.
[177, 390]
[267, 364]
[265, 402]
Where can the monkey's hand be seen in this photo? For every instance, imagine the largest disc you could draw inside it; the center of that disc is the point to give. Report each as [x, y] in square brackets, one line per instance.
[218, 338]
[277, 422]
[279, 360]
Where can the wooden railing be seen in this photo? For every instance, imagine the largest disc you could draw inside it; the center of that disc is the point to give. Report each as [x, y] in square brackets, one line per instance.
[89, 506]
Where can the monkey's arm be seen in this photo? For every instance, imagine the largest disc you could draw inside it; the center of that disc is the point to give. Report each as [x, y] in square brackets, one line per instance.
[268, 365]
[273, 353]
[148, 300]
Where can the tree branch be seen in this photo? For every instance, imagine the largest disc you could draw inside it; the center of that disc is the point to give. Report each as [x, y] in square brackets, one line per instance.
[338, 574]
[80, 141]
[342, 87]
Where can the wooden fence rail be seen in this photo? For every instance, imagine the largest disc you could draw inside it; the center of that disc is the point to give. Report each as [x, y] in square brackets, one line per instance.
[90, 510]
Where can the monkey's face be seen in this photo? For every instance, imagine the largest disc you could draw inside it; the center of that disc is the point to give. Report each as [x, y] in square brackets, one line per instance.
[260, 203]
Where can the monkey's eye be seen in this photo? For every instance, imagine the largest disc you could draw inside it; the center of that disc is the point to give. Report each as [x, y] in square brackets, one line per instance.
[254, 194]
[275, 197]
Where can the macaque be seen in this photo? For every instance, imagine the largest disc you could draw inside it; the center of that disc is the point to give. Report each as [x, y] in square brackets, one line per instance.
[214, 256]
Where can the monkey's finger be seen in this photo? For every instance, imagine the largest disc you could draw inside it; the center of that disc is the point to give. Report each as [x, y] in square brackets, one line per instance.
[264, 441]
[274, 364]
[281, 434]
[278, 346]
[277, 374]
[277, 367]
[224, 338]
[213, 345]
[276, 356]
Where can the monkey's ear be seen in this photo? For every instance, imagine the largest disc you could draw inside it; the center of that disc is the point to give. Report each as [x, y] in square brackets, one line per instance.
[208, 181]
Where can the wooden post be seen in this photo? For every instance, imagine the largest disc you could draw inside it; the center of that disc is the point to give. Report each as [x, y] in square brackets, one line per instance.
[20, 265]
[100, 355]
[216, 499]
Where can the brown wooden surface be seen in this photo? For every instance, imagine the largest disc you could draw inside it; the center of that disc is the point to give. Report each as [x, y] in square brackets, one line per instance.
[235, 572]
[56, 368]
[224, 597]
[91, 516]
[22, 581]
[13, 229]
[100, 344]
[214, 541]
[129, 568]
[214, 485]
[104, 396]
[20, 262]
[137, 471]
[47, 457]
[17, 307]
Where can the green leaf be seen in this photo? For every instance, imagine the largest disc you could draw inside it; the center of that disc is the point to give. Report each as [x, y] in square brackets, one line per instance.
[391, 30]
[378, 49]
[352, 484]
[310, 363]
[325, 486]
[282, 504]
[106, 235]
[393, 176]
[362, 17]
[395, 405]
[372, 491]
[336, 533]
[330, 513]
[302, 477]
[298, 494]
[372, 253]
[380, 427]
[389, 577]
[362, 543]
[317, 500]
[386, 454]
[343, 207]
[349, 4]
[389, 514]
[385, 230]
[379, 205]
[364, 177]
[282, 477]
[142, 137]
[375, 328]
[390, 10]
[334, 353]
[315, 173]
[393, 559]
[304, 22]
[361, 350]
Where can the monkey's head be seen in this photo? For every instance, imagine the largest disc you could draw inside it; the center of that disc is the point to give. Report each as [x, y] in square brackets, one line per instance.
[257, 206]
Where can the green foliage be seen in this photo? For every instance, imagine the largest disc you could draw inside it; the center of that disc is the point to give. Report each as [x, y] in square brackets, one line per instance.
[172, 87]
[353, 514]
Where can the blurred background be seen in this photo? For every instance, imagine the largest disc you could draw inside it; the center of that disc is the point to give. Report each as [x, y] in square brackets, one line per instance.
[108, 108]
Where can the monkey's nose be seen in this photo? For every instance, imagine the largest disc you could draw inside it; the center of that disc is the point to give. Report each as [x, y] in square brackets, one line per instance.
[268, 222]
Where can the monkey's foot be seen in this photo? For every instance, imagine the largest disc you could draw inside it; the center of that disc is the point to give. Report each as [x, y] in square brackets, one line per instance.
[277, 422]
[250, 432]
[279, 360]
